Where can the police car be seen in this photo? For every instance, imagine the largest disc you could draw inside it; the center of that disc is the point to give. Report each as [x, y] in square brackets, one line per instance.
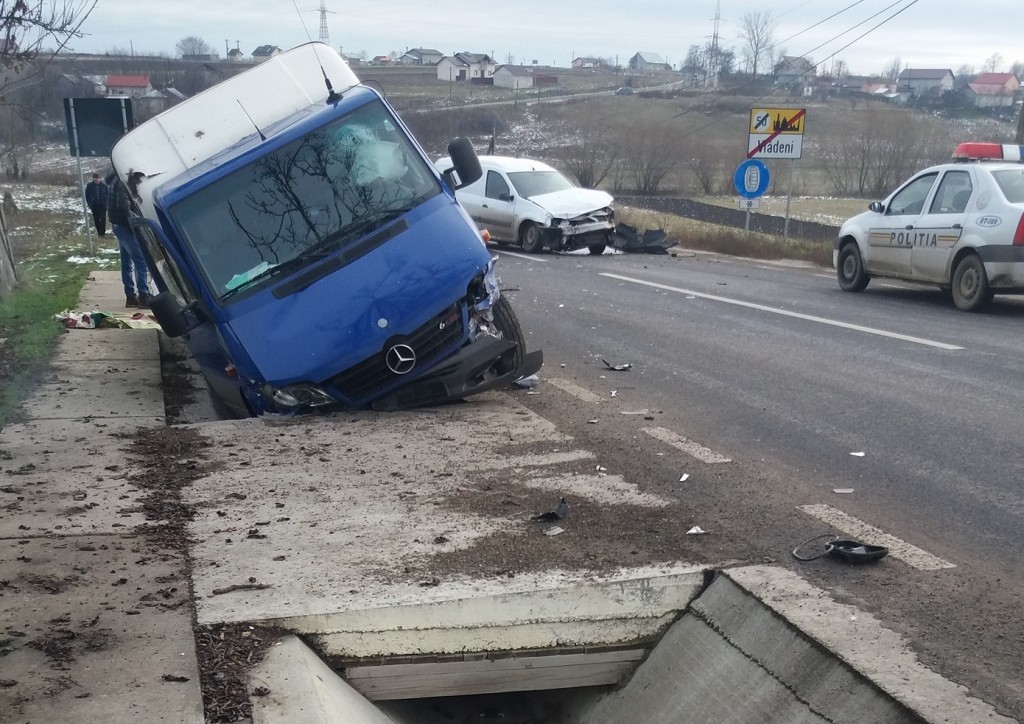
[959, 225]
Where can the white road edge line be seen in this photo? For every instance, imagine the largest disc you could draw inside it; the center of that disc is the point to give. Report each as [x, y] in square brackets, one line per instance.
[694, 449]
[859, 530]
[784, 313]
[575, 390]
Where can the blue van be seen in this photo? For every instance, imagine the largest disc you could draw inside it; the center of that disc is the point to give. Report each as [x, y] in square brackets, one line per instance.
[308, 251]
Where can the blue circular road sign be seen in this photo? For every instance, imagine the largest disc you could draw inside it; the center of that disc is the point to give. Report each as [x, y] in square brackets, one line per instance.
[751, 178]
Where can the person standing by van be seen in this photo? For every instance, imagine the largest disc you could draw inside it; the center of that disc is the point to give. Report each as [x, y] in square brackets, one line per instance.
[134, 269]
[96, 195]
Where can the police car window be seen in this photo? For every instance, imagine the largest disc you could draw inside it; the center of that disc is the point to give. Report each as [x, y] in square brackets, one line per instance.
[1011, 183]
[496, 185]
[911, 198]
[953, 193]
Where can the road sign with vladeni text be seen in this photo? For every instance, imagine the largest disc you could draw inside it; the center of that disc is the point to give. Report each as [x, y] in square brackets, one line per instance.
[776, 132]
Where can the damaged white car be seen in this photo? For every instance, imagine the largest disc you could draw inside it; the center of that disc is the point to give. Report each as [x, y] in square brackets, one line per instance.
[526, 202]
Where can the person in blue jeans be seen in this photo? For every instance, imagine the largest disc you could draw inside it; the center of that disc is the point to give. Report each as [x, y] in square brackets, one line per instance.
[134, 269]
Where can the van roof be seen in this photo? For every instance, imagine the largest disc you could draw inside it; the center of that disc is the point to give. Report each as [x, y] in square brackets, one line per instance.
[206, 124]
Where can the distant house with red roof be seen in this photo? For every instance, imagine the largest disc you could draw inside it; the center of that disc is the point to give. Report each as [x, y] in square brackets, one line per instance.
[994, 90]
[132, 86]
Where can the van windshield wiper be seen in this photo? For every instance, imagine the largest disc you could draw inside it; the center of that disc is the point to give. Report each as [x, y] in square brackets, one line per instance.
[323, 248]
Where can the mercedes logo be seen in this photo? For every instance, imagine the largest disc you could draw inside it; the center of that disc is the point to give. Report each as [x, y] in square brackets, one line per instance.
[400, 359]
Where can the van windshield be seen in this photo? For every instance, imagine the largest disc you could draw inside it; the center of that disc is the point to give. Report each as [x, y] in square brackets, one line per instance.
[304, 200]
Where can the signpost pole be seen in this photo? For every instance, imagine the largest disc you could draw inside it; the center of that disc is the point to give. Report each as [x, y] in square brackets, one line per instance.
[789, 198]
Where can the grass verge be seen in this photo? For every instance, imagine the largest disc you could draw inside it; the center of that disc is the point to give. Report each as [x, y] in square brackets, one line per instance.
[702, 236]
[49, 283]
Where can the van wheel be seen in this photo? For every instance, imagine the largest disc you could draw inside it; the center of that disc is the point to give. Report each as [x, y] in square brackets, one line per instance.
[531, 238]
[850, 269]
[596, 249]
[508, 324]
[970, 284]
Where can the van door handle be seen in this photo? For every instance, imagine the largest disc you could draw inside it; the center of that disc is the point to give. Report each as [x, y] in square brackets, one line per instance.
[958, 226]
[484, 206]
[908, 227]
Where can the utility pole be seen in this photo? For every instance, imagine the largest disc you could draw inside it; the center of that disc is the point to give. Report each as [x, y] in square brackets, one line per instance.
[1020, 128]
[713, 64]
[325, 36]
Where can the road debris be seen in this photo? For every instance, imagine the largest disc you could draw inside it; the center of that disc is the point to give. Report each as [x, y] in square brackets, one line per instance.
[842, 491]
[527, 382]
[684, 477]
[560, 511]
[553, 530]
[175, 678]
[617, 367]
[851, 551]
[240, 587]
[696, 530]
[858, 454]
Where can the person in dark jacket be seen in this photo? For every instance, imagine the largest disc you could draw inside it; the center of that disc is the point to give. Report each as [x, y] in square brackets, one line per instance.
[96, 195]
[134, 269]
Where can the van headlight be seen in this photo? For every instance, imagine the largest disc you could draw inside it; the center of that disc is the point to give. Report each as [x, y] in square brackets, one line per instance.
[296, 397]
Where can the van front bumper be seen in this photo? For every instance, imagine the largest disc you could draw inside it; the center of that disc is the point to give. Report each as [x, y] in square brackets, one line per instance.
[470, 371]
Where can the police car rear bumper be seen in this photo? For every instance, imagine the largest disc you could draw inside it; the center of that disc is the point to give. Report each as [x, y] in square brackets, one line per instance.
[1004, 266]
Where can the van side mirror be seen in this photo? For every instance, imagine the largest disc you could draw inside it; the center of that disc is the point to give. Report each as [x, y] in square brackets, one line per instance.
[877, 206]
[171, 314]
[465, 162]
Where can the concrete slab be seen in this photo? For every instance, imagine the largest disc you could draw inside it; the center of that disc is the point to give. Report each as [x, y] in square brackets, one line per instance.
[343, 510]
[859, 639]
[97, 345]
[78, 651]
[127, 388]
[67, 477]
[103, 291]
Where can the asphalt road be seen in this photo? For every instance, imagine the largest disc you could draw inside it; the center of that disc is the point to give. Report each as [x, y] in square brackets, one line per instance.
[776, 369]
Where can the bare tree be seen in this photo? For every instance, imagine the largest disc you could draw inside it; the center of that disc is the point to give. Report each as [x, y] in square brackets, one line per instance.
[1017, 69]
[992, 63]
[592, 157]
[650, 151]
[25, 29]
[758, 33]
[893, 69]
[192, 45]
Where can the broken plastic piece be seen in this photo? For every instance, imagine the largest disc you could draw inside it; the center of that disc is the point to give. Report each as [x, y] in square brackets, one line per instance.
[615, 393]
[684, 478]
[594, 421]
[528, 381]
[696, 530]
[617, 367]
[857, 454]
[554, 530]
[842, 490]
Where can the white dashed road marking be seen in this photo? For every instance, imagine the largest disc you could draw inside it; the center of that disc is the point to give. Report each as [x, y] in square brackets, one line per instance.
[859, 530]
[574, 390]
[689, 447]
[528, 257]
[785, 313]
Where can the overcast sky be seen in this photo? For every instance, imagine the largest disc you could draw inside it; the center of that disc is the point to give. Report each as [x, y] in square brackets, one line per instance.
[928, 34]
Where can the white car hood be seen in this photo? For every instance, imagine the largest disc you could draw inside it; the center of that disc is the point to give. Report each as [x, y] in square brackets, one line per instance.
[572, 202]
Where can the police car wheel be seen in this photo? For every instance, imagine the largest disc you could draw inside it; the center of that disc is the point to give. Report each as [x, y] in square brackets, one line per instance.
[850, 269]
[970, 284]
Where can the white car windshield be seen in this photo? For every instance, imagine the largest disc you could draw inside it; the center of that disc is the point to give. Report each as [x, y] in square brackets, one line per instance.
[538, 183]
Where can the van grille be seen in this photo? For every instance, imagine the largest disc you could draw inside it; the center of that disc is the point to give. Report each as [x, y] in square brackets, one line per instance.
[372, 376]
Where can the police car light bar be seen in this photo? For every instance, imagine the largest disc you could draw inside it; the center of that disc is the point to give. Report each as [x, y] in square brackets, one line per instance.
[988, 152]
